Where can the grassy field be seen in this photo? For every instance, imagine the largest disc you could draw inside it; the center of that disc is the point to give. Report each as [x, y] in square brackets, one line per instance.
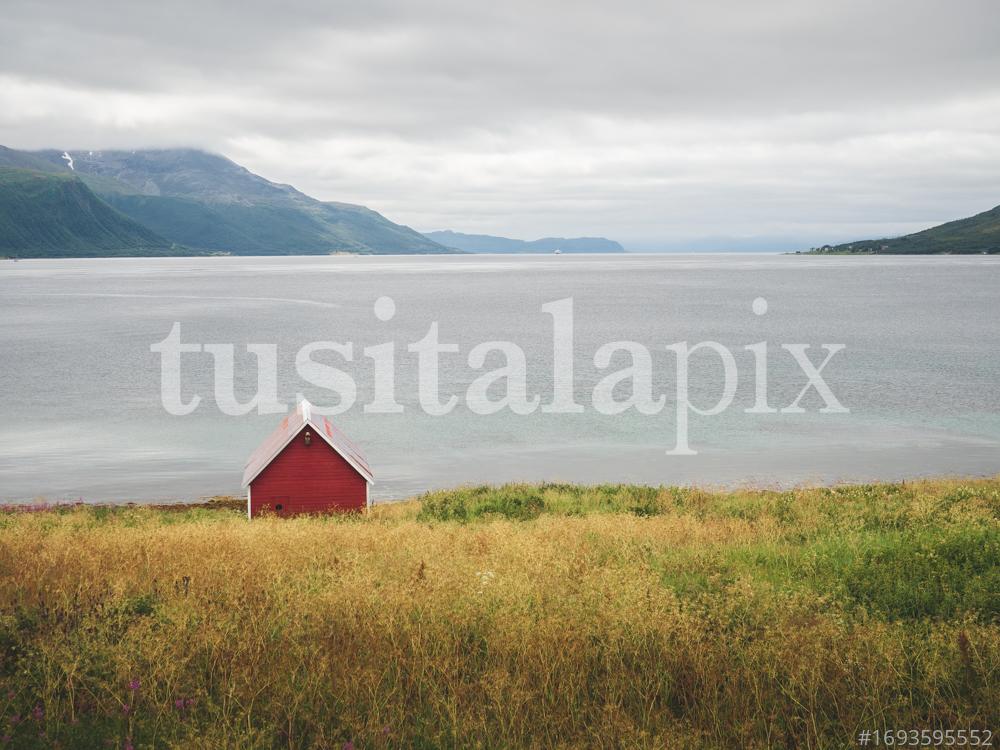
[518, 616]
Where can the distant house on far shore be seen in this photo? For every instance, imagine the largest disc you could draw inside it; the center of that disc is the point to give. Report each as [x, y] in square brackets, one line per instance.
[306, 466]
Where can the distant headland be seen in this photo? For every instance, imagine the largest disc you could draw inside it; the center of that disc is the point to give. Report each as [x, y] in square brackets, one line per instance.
[976, 235]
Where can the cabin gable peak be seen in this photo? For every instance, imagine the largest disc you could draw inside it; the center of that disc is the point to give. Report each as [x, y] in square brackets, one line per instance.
[290, 427]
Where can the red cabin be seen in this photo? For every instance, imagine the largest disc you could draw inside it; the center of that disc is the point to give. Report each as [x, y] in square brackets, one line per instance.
[306, 466]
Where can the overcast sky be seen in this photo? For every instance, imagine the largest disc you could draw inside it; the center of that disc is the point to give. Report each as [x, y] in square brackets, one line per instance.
[742, 123]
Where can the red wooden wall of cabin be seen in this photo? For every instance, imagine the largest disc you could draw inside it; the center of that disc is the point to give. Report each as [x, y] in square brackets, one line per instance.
[308, 479]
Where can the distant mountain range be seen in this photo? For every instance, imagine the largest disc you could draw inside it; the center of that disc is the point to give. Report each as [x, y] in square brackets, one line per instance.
[485, 243]
[188, 202]
[974, 235]
[173, 202]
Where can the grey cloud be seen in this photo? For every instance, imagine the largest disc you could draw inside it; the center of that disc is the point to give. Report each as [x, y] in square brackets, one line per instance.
[652, 122]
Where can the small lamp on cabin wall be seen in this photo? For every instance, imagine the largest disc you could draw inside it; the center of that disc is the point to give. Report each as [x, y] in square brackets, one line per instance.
[308, 438]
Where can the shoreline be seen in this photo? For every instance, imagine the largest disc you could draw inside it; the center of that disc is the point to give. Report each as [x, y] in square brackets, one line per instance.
[239, 502]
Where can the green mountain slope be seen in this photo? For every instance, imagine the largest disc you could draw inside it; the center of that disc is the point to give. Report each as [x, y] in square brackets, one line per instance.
[54, 215]
[485, 243]
[51, 161]
[976, 234]
[208, 202]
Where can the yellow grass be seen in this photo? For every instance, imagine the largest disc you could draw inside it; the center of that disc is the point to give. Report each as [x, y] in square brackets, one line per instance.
[743, 619]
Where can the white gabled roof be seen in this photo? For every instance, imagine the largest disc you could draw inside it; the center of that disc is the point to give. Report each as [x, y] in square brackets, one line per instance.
[291, 426]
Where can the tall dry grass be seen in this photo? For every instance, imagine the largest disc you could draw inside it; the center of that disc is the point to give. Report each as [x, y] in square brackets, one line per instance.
[573, 617]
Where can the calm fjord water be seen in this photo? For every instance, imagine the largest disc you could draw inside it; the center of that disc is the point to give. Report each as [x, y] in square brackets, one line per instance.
[81, 416]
